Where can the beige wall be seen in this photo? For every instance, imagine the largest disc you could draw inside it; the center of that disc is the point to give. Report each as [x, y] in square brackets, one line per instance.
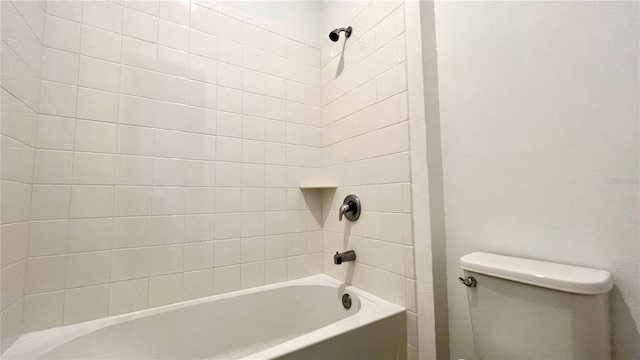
[539, 116]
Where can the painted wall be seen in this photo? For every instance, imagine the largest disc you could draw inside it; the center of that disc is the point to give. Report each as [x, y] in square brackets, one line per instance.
[539, 116]
[170, 144]
[365, 138]
[22, 38]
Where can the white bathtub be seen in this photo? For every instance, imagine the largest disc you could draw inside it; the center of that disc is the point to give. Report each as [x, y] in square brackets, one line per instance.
[299, 319]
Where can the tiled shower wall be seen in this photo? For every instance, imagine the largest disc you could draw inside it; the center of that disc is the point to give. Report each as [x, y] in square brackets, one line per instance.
[171, 142]
[365, 139]
[22, 37]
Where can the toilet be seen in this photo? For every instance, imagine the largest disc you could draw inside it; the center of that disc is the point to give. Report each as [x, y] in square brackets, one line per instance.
[530, 309]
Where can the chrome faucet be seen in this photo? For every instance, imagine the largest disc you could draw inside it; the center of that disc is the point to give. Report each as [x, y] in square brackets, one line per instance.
[339, 258]
[350, 208]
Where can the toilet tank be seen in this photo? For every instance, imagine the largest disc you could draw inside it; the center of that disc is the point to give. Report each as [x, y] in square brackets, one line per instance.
[529, 309]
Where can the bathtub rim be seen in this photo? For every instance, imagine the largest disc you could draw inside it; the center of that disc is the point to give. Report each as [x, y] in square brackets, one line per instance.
[372, 308]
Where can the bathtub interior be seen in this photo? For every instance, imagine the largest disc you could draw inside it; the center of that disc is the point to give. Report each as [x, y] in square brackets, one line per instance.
[209, 328]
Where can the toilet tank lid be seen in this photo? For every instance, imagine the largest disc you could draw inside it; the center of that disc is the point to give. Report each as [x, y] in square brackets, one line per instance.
[568, 278]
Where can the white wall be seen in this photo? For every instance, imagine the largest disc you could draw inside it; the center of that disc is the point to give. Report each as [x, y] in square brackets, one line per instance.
[300, 18]
[22, 37]
[539, 116]
[170, 144]
[365, 136]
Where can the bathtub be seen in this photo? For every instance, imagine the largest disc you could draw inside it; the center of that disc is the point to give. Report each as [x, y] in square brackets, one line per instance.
[299, 319]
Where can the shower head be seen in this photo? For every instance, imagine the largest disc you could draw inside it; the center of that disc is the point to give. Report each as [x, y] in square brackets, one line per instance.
[335, 34]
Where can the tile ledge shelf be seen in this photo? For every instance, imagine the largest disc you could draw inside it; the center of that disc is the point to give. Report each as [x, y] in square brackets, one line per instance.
[317, 186]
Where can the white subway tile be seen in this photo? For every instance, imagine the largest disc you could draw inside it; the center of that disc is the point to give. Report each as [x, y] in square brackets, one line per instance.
[70, 10]
[199, 227]
[91, 201]
[276, 247]
[166, 260]
[86, 303]
[57, 99]
[55, 133]
[229, 51]
[171, 88]
[228, 174]
[12, 283]
[128, 296]
[136, 111]
[275, 271]
[45, 274]
[202, 121]
[253, 59]
[171, 116]
[200, 173]
[138, 82]
[99, 74]
[88, 268]
[170, 144]
[134, 170]
[62, 34]
[140, 25]
[229, 75]
[53, 167]
[149, 6]
[276, 44]
[90, 234]
[173, 35]
[132, 201]
[197, 284]
[253, 36]
[203, 44]
[168, 200]
[167, 229]
[43, 311]
[296, 267]
[59, 66]
[204, 19]
[199, 200]
[232, 228]
[103, 14]
[252, 275]
[228, 149]
[203, 69]
[95, 136]
[100, 43]
[198, 256]
[203, 94]
[129, 263]
[139, 53]
[94, 169]
[131, 232]
[173, 62]
[175, 10]
[226, 279]
[228, 200]
[253, 175]
[229, 28]
[49, 202]
[48, 237]
[97, 105]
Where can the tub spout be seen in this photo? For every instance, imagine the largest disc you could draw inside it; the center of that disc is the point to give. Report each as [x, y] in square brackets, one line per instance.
[339, 258]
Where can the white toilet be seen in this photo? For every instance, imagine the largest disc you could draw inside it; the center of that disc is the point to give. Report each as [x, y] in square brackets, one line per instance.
[529, 309]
